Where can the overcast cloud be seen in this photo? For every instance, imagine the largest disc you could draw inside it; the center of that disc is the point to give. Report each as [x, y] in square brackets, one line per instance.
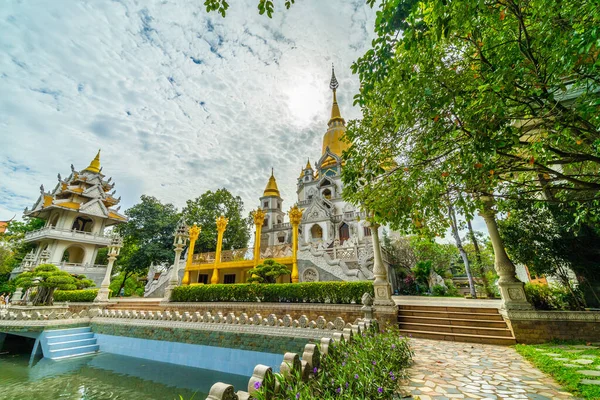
[178, 100]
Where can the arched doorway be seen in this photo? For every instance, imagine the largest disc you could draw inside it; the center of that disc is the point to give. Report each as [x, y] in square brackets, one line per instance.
[316, 232]
[74, 255]
[344, 232]
[83, 224]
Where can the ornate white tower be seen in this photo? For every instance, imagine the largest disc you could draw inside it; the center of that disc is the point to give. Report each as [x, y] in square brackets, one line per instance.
[274, 230]
[77, 212]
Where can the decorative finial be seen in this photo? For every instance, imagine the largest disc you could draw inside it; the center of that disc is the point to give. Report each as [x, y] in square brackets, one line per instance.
[109, 179]
[59, 177]
[42, 189]
[118, 208]
[72, 168]
[272, 169]
[333, 85]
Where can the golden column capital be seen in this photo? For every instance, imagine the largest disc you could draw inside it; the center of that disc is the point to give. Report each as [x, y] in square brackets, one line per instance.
[222, 223]
[295, 215]
[194, 231]
[259, 216]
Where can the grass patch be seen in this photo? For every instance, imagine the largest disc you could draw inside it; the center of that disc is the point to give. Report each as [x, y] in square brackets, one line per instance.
[544, 357]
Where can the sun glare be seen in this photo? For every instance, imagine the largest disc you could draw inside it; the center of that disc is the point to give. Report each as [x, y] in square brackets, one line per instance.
[305, 101]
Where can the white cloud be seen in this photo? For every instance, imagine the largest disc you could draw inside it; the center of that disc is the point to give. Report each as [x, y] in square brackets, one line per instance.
[180, 101]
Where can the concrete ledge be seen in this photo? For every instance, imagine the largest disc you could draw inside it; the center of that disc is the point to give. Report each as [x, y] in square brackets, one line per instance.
[531, 327]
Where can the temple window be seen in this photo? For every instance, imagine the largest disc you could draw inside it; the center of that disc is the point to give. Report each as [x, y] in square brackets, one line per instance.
[203, 278]
[74, 255]
[366, 231]
[83, 224]
[281, 239]
[344, 232]
[316, 232]
[266, 204]
[229, 278]
[327, 194]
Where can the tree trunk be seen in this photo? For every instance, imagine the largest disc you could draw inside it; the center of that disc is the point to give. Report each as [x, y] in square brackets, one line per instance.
[127, 274]
[44, 296]
[479, 267]
[461, 250]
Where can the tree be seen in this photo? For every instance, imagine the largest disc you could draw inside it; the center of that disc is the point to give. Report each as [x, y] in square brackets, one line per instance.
[147, 236]
[13, 248]
[205, 210]
[47, 278]
[267, 272]
[461, 250]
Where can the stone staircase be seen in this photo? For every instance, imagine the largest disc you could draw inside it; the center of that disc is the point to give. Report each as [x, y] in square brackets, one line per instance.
[460, 324]
[68, 343]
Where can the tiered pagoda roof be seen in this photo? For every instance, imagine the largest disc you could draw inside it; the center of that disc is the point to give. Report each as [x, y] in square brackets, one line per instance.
[85, 191]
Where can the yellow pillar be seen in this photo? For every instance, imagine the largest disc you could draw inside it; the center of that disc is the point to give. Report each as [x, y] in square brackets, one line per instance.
[194, 232]
[295, 217]
[259, 220]
[221, 225]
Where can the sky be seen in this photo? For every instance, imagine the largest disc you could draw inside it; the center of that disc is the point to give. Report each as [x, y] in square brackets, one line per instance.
[180, 101]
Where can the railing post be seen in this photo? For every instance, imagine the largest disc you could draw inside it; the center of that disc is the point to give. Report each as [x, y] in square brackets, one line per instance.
[295, 217]
[221, 225]
[194, 232]
[259, 220]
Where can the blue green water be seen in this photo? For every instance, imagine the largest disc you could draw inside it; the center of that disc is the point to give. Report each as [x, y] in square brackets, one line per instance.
[105, 376]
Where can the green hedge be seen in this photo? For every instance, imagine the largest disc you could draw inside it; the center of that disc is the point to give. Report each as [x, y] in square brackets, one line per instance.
[82, 296]
[309, 292]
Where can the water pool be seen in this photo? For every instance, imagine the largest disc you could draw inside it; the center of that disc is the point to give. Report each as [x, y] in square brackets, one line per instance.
[106, 376]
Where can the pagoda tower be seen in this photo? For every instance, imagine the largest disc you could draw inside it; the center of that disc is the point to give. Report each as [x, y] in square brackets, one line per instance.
[77, 213]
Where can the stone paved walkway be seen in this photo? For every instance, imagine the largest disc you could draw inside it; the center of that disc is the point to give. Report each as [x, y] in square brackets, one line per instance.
[453, 370]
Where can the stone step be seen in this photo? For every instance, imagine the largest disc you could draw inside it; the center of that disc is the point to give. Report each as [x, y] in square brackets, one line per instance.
[460, 337]
[470, 330]
[470, 310]
[71, 336]
[90, 353]
[67, 331]
[450, 315]
[71, 343]
[454, 322]
[73, 351]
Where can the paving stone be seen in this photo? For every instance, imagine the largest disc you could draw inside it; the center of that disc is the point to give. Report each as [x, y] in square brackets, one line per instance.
[572, 365]
[574, 351]
[583, 361]
[590, 381]
[583, 346]
[561, 359]
[589, 372]
[587, 356]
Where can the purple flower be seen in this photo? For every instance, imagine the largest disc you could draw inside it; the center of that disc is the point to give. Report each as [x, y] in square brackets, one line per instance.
[393, 346]
[338, 390]
[391, 373]
[380, 390]
[297, 395]
[343, 363]
[257, 385]
[346, 385]
[374, 362]
[356, 376]
[314, 370]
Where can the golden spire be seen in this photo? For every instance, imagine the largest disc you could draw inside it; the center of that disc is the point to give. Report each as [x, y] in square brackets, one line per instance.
[271, 189]
[333, 138]
[308, 166]
[333, 85]
[95, 164]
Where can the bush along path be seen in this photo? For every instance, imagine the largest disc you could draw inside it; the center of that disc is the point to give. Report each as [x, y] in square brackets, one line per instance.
[356, 364]
[575, 366]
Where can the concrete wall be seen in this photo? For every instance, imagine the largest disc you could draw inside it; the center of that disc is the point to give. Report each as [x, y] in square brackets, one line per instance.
[532, 327]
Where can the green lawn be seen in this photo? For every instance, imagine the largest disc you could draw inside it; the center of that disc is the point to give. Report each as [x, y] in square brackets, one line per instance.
[544, 357]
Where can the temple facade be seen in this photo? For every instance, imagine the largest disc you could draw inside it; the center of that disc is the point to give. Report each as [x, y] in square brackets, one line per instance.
[77, 212]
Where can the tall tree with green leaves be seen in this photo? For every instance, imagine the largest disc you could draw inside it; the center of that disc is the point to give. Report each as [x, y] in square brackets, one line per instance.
[205, 210]
[147, 236]
[14, 249]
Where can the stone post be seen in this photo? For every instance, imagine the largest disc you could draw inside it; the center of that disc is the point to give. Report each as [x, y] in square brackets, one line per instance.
[295, 217]
[383, 289]
[259, 220]
[511, 289]
[181, 235]
[44, 256]
[194, 232]
[113, 252]
[221, 225]
[29, 261]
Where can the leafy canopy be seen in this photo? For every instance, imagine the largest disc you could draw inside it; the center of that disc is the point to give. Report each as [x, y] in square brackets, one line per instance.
[267, 272]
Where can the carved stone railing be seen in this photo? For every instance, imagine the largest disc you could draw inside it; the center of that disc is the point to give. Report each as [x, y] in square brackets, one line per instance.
[54, 233]
[204, 258]
[292, 367]
[236, 255]
[282, 226]
[278, 251]
[42, 316]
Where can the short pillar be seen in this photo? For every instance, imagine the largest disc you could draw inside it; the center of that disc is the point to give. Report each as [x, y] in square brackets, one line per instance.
[383, 289]
[181, 236]
[221, 225]
[113, 252]
[194, 232]
[512, 290]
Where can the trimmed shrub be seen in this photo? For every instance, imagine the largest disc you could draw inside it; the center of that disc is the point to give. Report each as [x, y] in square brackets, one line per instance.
[546, 297]
[76, 296]
[439, 290]
[307, 292]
